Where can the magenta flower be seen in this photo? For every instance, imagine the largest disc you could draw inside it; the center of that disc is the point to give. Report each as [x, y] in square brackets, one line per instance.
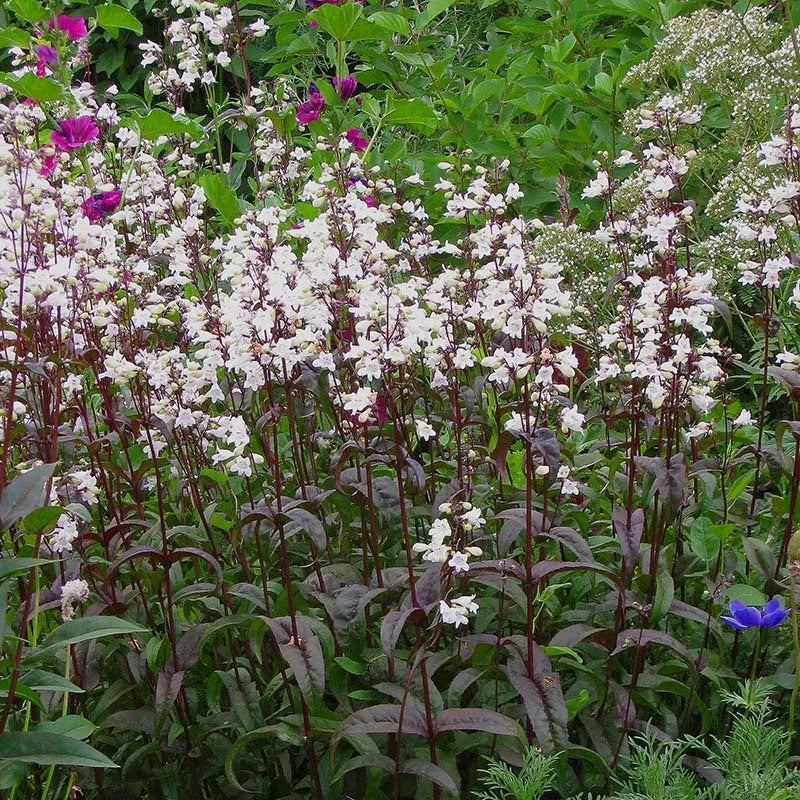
[346, 87]
[48, 165]
[74, 27]
[101, 204]
[46, 55]
[310, 109]
[358, 141]
[70, 134]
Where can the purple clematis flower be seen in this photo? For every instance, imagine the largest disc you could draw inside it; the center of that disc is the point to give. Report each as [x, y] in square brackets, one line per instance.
[101, 204]
[74, 27]
[45, 55]
[310, 109]
[70, 134]
[744, 617]
[346, 87]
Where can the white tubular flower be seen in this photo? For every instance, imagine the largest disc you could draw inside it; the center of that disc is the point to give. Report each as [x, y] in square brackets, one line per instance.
[457, 613]
[72, 592]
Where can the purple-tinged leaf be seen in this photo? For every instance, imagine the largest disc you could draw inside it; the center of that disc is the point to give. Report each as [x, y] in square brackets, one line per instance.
[140, 551]
[628, 531]
[310, 525]
[196, 552]
[545, 707]
[670, 482]
[431, 772]
[642, 637]
[303, 653]
[168, 687]
[382, 718]
[476, 719]
[366, 761]
[393, 624]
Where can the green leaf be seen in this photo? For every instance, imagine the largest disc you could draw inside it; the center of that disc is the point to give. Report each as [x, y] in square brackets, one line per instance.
[703, 541]
[159, 123]
[432, 10]
[112, 17]
[49, 681]
[411, 113]
[13, 566]
[45, 748]
[42, 519]
[27, 492]
[349, 665]
[85, 628]
[14, 37]
[72, 725]
[221, 196]
[391, 22]
[748, 595]
[604, 83]
[29, 10]
[346, 23]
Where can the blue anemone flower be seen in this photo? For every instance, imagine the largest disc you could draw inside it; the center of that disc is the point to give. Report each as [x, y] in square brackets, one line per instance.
[744, 617]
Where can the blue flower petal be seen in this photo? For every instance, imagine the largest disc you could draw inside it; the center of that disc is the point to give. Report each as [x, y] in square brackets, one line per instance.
[734, 624]
[774, 618]
[747, 615]
[772, 606]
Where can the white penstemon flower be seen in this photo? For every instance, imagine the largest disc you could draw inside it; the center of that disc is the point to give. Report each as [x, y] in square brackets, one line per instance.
[72, 593]
[457, 611]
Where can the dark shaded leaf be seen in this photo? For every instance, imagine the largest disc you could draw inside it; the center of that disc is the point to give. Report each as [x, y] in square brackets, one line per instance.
[432, 772]
[44, 748]
[629, 534]
[545, 707]
[383, 718]
[25, 494]
[476, 719]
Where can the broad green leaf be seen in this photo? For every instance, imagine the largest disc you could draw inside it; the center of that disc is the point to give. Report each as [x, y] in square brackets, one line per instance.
[29, 10]
[345, 23]
[72, 725]
[112, 17]
[703, 541]
[86, 628]
[27, 492]
[604, 83]
[49, 681]
[14, 37]
[412, 113]
[432, 10]
[45, 748]
[42, 519]
[159, 123]
[391, 22]
[221, 196]
[748, 595]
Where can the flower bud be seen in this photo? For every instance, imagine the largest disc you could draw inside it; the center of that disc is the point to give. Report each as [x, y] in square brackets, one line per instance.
[793, 550]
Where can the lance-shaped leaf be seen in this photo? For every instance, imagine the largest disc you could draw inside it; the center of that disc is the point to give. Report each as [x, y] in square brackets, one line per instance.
[476, 719]
[545, 707]
[382, 718]
[669, 482]
[46, 748]
[302, 653]
[628, 531]
[84, 629]
[641, 637]
[431, 772]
